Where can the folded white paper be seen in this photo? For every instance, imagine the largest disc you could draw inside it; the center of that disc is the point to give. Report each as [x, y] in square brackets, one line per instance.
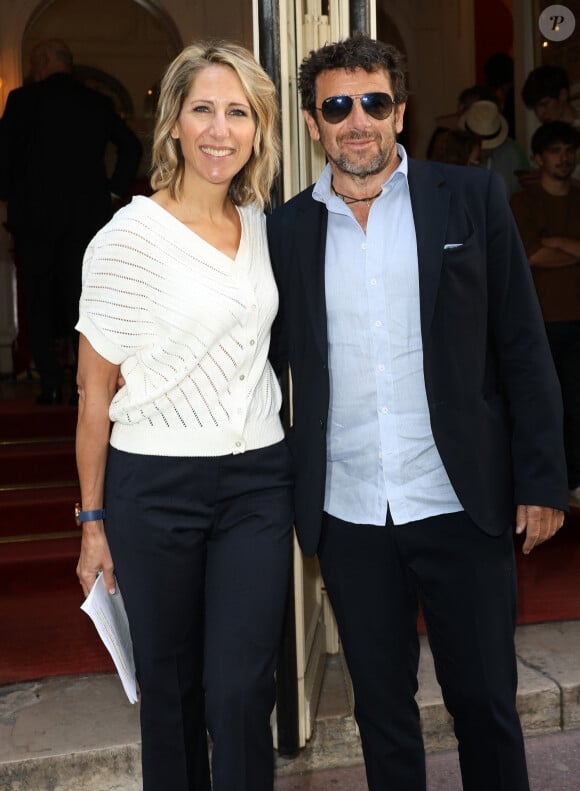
[107, 612]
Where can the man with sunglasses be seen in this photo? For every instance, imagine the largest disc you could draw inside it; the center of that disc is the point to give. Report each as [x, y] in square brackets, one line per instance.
[427, 419]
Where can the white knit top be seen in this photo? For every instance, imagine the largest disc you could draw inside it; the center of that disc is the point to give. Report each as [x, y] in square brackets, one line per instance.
[190, 328]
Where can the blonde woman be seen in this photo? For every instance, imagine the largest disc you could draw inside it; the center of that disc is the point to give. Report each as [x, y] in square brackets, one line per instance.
[187, 499]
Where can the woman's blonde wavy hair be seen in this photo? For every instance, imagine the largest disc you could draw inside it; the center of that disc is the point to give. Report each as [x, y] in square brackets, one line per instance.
[254, 181]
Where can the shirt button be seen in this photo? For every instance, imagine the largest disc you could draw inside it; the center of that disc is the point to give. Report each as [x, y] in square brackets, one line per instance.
[238, 444]
[253, 307]
[385, 410]
[373, 281]
[252, 343]
[381, 367]
[242, 377]
[378, 323]
[364, 246]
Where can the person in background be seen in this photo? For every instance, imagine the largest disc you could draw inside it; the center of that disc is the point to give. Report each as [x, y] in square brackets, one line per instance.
[188, 500]
[426, 417]
[546, 91]
[499, 77]
[548, 217]
[454, 146]
[53, 138]
[498, 151]
[474, 93]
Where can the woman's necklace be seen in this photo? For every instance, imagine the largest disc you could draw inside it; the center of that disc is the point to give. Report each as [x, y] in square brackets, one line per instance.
[349, 199]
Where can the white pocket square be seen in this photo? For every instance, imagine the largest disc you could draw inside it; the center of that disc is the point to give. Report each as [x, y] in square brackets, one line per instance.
[452, 246]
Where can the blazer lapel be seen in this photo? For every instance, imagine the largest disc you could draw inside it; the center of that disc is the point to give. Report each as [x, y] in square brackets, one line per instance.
[430, 202]
[310, 246]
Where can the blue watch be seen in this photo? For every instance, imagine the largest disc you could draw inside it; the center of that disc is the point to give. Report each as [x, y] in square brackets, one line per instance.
[88, 516]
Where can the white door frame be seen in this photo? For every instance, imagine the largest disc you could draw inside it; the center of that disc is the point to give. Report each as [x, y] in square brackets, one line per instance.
[303, 27]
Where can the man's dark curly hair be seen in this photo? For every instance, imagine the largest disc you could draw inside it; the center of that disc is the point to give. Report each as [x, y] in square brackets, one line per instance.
[554, 132]
[543, 82]
[357, 52]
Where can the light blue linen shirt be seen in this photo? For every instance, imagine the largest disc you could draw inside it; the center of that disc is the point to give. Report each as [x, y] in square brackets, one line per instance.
[380, 447]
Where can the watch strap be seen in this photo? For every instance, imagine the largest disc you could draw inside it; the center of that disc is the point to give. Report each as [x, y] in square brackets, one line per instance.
[89, 516]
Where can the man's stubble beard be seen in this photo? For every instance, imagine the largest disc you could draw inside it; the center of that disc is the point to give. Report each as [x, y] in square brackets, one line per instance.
[376, 165]
[354, 167]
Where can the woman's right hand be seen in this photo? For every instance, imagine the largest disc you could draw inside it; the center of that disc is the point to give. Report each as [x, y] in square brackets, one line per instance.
[95, 556]
[97, 384]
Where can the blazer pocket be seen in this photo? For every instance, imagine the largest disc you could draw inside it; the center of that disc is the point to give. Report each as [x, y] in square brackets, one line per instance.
[454, 248]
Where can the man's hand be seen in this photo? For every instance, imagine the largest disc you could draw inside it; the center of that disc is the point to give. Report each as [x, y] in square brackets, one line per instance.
[539, 524]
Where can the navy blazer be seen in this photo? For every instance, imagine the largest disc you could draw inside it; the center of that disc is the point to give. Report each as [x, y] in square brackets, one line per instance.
[493, 394]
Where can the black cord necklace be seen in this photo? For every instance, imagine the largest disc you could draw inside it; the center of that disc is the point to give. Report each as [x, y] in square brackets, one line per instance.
[348, 199]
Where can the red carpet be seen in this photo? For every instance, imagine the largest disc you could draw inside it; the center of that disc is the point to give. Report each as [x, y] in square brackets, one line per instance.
[42, 630]
[21, 419]
[549, 577]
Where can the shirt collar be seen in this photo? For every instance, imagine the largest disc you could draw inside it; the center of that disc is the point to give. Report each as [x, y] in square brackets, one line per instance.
[323, 193]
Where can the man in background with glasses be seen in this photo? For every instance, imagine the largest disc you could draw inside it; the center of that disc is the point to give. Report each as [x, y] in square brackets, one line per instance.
[427, 418]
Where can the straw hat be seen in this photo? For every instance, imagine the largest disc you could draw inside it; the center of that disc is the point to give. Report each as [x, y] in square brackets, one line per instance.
[484, 119]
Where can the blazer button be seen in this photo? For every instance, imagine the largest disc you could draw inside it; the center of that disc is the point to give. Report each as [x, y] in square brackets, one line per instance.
[321, 422]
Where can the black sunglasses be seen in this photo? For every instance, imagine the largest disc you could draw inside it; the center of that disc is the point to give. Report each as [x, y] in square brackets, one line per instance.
[336, 108]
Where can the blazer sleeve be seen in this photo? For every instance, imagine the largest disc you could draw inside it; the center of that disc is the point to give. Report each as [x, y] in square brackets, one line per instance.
[526, 368]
